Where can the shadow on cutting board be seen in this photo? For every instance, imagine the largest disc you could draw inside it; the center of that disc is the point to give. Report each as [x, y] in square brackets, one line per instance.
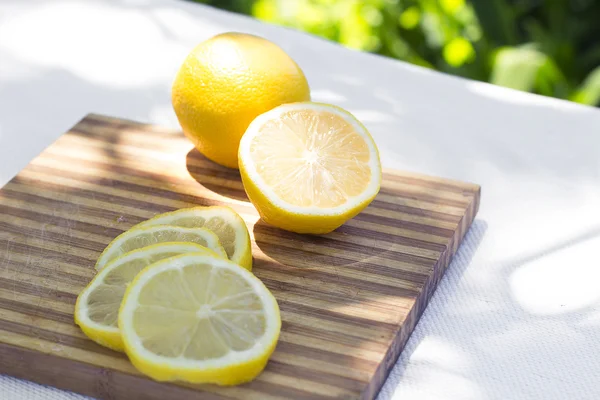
[217, 178]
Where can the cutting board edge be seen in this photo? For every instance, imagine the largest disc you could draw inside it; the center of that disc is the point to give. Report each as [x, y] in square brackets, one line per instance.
[97, 382]
[412, 319]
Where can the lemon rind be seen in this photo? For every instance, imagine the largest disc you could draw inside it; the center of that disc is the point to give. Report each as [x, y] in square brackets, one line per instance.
[211, 238]
[243, 248]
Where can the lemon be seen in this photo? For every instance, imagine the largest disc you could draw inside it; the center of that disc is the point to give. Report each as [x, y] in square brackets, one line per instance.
[199, 319]
[223, 221]
[224, 83]
[137, 238]
[98, 304]
[309, 167]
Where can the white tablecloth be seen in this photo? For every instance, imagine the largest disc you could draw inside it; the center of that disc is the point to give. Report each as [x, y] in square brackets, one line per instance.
[517, 315]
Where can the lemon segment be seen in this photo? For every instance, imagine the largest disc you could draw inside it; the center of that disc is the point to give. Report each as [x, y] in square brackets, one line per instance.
[199, 319]
[98, 304]
[137, 238]
[227, 81]
[223, 221]
[309, 167]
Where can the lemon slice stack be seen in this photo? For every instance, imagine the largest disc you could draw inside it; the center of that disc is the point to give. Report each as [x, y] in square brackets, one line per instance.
[98, 304]
[177, 295]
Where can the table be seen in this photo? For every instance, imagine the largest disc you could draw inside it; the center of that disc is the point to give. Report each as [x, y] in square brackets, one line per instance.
[517, 315]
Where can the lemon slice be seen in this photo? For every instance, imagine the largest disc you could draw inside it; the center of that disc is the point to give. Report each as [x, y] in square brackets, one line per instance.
[223, 221]
[136, 238]
[98, 304]
[199, 319]
[309, 167]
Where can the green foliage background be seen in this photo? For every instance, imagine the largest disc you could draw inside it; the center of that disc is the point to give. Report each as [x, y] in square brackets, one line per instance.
[549, 47]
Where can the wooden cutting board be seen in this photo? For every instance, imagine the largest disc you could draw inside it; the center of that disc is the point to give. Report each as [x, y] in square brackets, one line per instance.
[349, 300]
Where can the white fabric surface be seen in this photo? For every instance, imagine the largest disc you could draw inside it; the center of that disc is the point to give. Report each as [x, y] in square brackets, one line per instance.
[517, 315]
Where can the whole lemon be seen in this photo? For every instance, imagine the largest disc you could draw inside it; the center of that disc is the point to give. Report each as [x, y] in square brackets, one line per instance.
[227, 81]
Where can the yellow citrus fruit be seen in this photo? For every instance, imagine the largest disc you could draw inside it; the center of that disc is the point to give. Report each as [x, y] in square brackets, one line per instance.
[98, 304]
[309, 167]
[199, 319]
[223, 221]
[136, 238]
[227, 81]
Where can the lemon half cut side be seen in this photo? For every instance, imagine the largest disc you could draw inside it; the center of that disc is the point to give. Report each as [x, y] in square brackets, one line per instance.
[309, 167]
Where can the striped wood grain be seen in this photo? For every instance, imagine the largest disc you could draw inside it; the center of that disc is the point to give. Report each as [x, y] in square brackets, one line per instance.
[349, 300]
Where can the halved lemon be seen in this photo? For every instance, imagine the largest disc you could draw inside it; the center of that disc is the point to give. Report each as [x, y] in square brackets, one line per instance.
[309, 167]
[136, 238]
[199, 319]
[98, 304]
[223, 221]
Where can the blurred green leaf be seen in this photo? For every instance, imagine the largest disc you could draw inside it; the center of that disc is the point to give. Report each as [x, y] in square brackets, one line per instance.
[517, 67]
[264, 9]
[452, 6]
[589, 92]
[550, 80]
[410, 18]
[458, 51]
